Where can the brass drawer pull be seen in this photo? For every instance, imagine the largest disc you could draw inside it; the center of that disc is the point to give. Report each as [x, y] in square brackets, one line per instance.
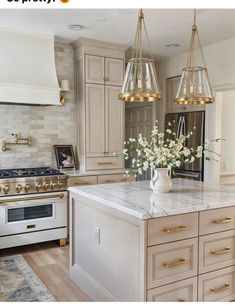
[105, 163]
[225, 250]
[178, 262]
[181, 300]
[226, 286]
[81, 183]
[175, 229]
[109, 181]
[222, 220]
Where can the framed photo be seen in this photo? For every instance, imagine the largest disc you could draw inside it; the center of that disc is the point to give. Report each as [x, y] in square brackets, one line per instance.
[64, 156]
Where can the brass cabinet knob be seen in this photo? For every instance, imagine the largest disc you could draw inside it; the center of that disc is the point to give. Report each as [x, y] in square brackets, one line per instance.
[19, 188]
[53, 185]
[6, 189]
[46, 186]
[38, 187]
[27, 188]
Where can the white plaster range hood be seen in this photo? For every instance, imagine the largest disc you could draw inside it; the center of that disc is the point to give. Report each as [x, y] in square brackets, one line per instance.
[27, 69]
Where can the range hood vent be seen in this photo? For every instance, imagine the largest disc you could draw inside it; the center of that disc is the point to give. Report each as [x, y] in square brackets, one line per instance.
[27, 70]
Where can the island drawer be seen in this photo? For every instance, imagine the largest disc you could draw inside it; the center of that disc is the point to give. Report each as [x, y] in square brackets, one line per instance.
[78, 181]
[216, 220]
[114, 178]
[171, 262]
[217, 251]
[104, 163]
[217, 286]
[171, 228]
[182, 291]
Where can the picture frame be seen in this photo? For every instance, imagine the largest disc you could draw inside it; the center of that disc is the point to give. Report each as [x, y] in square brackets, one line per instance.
[64, 156]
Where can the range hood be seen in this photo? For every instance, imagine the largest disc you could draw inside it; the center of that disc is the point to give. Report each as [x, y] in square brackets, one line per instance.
[27, 70]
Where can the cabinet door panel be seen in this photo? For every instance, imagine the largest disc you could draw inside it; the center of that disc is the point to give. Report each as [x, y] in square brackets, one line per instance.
[94, 69]
[114, 121]
[114, 69]
[95, 121]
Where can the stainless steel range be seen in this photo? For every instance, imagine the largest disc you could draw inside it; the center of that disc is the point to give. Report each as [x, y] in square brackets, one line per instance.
[33, 206]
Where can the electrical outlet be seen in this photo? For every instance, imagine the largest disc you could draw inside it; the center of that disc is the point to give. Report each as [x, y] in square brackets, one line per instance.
[97, 234]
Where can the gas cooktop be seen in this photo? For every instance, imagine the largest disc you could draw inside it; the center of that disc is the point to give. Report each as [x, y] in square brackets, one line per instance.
[29, 172]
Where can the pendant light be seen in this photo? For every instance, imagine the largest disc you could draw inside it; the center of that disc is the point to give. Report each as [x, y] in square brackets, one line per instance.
[194, 87]
[140, 82]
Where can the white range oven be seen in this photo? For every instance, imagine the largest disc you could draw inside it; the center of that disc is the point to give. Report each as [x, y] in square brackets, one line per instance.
[36, 216]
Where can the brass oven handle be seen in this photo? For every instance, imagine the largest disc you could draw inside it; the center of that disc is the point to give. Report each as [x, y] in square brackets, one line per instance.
[226, 286]
[178, 262]
[222, 220]
[59, 196]
[105, 163]
[225, 250]
[175, 229]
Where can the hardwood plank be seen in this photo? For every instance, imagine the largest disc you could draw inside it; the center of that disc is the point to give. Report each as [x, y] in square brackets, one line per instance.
[51, 264]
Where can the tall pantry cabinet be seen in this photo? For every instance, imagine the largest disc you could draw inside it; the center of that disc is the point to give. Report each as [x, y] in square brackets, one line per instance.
[99, 75]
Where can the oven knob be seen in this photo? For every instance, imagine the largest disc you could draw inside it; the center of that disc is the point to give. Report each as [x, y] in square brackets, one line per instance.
[19, 188]
[46, 186]
[27, 188]
[38, 187]
[5, 189]
[53, 185]
[60, 184]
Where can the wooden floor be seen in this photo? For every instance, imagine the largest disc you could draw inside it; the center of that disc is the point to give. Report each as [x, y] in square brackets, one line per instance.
[51, 264]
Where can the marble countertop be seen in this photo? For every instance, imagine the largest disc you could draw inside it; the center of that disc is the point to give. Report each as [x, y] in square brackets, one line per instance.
[78, 173]
[138, 200]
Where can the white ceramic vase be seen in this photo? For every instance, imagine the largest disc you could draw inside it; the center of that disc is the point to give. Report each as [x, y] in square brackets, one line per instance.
[161, 180]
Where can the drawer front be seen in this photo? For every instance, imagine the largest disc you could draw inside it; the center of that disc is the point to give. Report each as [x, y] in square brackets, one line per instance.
[216, 220]
[104, 163]
[114, 178]
[172, 228]
[182, 291]
[217, 286]
[77, 181]
[171, 262]
[216, 251]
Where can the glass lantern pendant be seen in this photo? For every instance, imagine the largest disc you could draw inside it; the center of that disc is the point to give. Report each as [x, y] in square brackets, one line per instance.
[194, 87]
[140, 82]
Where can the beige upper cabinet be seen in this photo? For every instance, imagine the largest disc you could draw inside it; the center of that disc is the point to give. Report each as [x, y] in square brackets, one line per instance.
[114, 70]
[95, 120]
[94, 66]
[114, 120]
[172, 85]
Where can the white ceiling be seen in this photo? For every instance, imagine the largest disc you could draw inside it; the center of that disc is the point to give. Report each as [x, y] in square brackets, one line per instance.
[163, 25]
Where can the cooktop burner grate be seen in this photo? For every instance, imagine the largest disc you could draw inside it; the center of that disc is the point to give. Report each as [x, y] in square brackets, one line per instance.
[29, 172]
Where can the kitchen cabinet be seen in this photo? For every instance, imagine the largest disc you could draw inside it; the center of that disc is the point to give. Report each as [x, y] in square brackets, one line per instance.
[99, 71]
[172, 85]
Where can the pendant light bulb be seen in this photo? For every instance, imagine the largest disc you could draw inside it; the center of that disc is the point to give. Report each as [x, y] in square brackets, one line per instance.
[140, 81]
[194, 87]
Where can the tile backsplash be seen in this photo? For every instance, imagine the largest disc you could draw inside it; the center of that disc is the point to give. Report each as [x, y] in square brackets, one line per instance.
[47, 125]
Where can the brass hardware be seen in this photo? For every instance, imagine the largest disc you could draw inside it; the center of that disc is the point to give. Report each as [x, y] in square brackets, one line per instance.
[38, 187]
[225, 250]
[226, 286]
[16, 141]
[62, 242]
[31, 226]
[46, 186]
[222, 220]
[60, 184]
[27, 188]
[106, 79]
[58, 196]
[105, 163]
[110, 181]
[175, 229]
[6, 189]
[64, 90]
[178, 262]
[181, 300]
[53, 185]
[81, 183]
[19, 188]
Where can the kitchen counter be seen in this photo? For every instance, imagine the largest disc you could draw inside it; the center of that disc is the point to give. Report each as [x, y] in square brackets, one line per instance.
[130, 244]
[138, 200]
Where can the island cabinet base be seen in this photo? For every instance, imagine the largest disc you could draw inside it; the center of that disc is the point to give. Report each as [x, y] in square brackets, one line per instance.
[116, 256]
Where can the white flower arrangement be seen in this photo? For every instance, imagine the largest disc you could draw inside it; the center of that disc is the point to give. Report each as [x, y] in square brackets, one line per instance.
[163, 152]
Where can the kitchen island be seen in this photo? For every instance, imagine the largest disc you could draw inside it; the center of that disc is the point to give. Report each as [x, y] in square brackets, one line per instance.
[130, 244]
